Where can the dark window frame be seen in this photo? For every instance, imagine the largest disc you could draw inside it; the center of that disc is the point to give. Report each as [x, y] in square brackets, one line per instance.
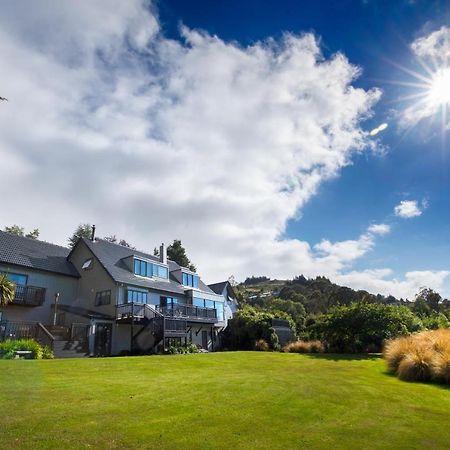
[103, 297]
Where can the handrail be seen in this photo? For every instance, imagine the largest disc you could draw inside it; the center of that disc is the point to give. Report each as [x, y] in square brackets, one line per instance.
[182, 310]
[49, 336]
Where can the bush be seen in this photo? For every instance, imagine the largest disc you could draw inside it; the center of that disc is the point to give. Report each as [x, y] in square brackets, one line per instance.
[363, 327]
[183, 349]
[249, 325]
[304, 347]
[421, 357]
[9, 347]
[262, 346]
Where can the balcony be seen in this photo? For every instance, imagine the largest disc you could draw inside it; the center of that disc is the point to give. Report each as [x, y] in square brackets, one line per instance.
[189, 312]
[29, 295]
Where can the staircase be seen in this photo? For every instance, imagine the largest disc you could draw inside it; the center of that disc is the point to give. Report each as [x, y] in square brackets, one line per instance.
[152, 332]
[70, 349]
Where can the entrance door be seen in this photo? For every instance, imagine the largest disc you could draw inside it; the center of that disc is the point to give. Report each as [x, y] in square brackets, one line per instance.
[102, 339]
[205, 339]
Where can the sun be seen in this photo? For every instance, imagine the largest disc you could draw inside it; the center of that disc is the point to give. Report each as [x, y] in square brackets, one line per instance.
[439, 90]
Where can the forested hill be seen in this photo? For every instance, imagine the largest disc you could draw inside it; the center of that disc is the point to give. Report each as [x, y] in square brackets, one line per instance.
[315, 294]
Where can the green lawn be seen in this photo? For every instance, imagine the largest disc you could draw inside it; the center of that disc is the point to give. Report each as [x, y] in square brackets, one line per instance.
[222, 400]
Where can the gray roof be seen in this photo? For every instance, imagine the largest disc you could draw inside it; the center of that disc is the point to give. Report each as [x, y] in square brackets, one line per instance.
[34, 254]
[111, 257]
[218, 287]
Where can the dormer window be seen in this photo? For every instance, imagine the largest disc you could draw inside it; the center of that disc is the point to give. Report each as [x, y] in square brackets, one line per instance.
[190, 280]
[87, 264]
[148, 269]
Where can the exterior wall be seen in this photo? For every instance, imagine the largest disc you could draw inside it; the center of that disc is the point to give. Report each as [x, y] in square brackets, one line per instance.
[213, 340]
[65, 285]
[94, 280]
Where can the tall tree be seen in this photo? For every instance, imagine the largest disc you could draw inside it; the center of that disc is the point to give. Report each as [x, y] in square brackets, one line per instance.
[20, 231]
[176, 252]
[82, 230]
[7, 290]
[430, 297]
[113, 238]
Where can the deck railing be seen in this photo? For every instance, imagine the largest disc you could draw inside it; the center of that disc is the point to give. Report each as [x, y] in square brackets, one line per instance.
[29, 295]
[179, 310]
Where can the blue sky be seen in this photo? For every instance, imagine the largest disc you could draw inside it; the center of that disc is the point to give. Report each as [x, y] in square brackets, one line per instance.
[241, 128]
[374, 35]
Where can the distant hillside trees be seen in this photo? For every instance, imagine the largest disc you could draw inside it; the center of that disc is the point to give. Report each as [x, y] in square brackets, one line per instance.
[255, 280]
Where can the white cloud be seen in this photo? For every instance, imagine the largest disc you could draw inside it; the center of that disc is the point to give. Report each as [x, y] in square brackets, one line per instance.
[152, 139]
[382, 281]
[407, 209]
[434, 46]
[379, 228]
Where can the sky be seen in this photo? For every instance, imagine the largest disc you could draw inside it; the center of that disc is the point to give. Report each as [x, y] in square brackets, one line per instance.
[273, 138]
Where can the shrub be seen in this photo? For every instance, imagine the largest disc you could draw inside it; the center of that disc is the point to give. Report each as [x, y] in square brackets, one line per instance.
[363, 327]
[395, 350]
[9, 347]
[304, 347]
[261, 346]
[249, 325]
[420, 357]
[416, 365]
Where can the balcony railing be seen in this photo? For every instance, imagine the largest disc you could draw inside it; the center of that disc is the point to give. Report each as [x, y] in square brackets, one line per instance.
[179, 310]
[29, 295]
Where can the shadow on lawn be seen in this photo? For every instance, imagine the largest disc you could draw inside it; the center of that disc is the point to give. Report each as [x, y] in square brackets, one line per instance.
[345, 356]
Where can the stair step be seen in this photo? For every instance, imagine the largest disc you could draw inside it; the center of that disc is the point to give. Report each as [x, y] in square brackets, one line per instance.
[69, 349]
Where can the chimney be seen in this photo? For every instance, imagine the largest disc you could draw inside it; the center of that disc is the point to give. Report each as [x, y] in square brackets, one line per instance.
[93, 233]
[163, 253]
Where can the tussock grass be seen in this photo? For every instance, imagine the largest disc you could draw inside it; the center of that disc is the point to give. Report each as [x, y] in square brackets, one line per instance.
[421, 357]
[304, 347]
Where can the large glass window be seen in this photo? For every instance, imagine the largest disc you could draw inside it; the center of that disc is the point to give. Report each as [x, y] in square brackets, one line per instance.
[136, 296]
[147, 269]
[160, 271]
[198, 302]
[17, 278]
[190, 280]
[219, 310]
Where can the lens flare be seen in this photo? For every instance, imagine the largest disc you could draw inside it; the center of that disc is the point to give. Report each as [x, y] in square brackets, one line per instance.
[439, 91]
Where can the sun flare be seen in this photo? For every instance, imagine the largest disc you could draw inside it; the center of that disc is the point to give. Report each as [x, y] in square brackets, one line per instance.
[439, 91]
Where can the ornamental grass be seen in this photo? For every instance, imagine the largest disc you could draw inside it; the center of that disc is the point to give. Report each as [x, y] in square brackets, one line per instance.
[421, 357]
[304, 347]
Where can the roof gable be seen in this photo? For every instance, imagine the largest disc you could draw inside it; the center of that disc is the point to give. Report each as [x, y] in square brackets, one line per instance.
[34, 254]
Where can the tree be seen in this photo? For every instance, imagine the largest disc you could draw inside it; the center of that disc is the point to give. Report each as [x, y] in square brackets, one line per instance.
[113, 239]
[7, 290]
[430, 297]
[20, 231]
[82, 230]
[362, 327]
[177, 253]
[294, 309]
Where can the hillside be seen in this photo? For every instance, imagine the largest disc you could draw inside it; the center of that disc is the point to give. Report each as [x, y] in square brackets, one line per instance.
[315, 294]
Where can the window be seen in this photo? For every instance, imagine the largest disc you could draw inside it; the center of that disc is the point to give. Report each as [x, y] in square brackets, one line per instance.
[87, 264]
[103, 298]
[203, 303]
[148, 269]
[17, 278]
[137, 296]
[190, 280]
[198, 302]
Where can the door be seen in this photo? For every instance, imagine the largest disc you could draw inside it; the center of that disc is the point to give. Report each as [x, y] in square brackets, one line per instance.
[205, 339]
[102, 339]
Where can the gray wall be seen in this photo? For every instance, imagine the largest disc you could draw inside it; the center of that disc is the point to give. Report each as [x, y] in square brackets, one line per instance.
[92, 281]
[65, 285]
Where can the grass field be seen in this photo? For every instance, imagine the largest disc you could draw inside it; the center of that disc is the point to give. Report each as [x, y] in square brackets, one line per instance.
[222, 400]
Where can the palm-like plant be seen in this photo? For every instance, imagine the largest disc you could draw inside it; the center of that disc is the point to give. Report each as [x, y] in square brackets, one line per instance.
[7, 290]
